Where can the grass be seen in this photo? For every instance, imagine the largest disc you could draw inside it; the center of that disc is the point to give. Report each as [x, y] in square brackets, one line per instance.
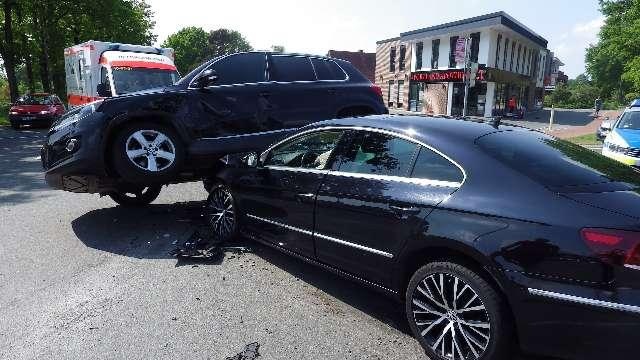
[3, 120]
[589, 139]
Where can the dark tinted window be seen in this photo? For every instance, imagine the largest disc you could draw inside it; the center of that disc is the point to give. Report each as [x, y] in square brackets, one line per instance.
[554, 162]
[392, 59]
[379, 154]
[328, 70]
[475, 46]
[435, 53]
[452, 51]
[419, 48]
[308, 151]
[291, 68]
[240, 69]
[431, 165]
[403, 53]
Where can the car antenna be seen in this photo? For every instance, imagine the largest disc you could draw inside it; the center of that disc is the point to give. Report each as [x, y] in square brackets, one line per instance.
[495, 121]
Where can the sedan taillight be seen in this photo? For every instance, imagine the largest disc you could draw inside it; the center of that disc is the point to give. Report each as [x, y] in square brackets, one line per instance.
[618, 247]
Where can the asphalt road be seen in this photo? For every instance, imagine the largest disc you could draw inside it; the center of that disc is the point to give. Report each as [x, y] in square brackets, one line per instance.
[81, 278]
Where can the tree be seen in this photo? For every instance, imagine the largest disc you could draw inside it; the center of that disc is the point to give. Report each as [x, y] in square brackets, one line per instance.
[8, 47]
[191, 47]
[225, 41]
[277, 48]
[561, 96]
[614, 62]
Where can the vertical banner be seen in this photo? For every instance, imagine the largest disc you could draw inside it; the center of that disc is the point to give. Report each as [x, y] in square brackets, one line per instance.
[460, 51]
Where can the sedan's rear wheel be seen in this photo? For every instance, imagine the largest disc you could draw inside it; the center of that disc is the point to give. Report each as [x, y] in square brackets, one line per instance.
[455, 314]
[221, 213]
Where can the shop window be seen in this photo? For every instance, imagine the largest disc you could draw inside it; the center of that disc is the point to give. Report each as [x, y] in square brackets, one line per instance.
[498, 50]
[435, 53]
[403, 53]
[452, 51]
[504, 55]
[518, 58]
[475, 46]
[389, 97]
[392, 59]
[399, 93]
[513, 50]
[419, 47]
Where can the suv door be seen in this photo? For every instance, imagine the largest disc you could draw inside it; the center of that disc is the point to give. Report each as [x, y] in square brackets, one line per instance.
[232, 105]
[368, 208]
[331, 82]
[297, 98]
[278, 197]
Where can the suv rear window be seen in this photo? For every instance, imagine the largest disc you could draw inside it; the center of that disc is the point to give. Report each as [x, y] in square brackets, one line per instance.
[328, 70]
[554, 162]
[291, 68]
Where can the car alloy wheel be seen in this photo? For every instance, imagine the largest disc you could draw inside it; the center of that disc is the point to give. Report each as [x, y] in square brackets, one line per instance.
[451, 317]
[221, 213]
[150, 150]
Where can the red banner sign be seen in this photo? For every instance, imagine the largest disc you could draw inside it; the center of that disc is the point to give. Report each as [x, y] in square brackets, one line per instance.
[453, 75]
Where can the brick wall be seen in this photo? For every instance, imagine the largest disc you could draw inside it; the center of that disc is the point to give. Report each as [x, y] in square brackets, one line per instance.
[383, 75]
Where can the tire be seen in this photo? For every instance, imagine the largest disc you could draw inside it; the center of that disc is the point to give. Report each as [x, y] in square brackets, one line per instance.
[144, 196]
[221, 213]
[134, 147]
[431, 323]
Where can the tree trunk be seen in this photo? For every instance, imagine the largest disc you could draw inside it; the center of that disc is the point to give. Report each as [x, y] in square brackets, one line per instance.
[45, 75]
[8, 51]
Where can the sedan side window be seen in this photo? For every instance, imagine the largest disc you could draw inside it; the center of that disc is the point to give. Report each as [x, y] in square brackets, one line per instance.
[311, 151]
[378, 154]
[433, 166]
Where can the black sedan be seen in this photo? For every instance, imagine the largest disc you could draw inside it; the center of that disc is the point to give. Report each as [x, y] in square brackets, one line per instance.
[495, 237]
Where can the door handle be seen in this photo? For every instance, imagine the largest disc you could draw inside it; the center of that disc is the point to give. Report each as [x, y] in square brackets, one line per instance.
[404, 212]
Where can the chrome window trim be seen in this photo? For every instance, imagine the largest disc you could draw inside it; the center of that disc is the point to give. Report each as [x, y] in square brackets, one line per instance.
[419, 181]
[249, 134]
[585, 301]
[322, 236]
[288, 227]
[350, 244]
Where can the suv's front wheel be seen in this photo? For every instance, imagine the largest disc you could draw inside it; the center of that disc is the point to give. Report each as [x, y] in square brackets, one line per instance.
[146, 152]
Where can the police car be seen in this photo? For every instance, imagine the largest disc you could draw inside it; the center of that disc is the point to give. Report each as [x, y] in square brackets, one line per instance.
[623, 142]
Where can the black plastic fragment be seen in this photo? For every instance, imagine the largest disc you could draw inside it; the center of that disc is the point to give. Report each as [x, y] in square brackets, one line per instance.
[250, 352]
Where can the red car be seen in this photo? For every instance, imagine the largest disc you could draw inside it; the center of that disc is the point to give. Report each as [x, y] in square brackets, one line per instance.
[36, 109]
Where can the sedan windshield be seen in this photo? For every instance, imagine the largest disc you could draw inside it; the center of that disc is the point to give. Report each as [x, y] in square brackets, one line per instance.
[35, 100]
[130, 79]
[630, 120]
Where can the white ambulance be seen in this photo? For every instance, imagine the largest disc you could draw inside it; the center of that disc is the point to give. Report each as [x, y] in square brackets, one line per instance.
[95, 70]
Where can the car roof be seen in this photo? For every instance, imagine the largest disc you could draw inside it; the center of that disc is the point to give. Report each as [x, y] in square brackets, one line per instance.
[632, 108]
[427, 129]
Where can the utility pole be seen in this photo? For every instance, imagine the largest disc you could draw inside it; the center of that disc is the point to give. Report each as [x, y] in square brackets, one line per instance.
[467, 73]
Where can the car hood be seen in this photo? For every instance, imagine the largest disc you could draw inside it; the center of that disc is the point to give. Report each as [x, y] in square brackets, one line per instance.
[30, 108]
[624, 137]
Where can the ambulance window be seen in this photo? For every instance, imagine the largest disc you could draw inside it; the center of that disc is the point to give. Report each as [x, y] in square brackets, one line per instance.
[103, 75]
[79, 69]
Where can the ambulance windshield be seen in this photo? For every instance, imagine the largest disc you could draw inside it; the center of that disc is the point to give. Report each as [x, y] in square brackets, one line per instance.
[131, 79]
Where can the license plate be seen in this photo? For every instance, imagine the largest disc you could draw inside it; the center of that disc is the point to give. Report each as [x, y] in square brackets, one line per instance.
[28, 117]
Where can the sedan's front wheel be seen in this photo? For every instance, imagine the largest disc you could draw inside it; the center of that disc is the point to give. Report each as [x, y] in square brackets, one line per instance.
[455, 314]
[221, 213]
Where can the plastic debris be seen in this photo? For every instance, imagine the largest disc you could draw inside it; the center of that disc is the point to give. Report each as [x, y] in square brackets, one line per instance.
[203, 244]
[250, 352]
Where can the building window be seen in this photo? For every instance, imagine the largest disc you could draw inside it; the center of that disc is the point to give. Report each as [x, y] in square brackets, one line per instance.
[518, 58]
[452, 51]
[513, 50]
[526, 54]
[419, 46]
[403, 53]
[504, 54]
[399, 97]
[435, 53]
[392, 59]
[498, 50]
[475, 47]
[389, 97]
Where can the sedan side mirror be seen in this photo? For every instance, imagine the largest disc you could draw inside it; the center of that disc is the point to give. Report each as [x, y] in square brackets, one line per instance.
[250, 160]
[207, 78]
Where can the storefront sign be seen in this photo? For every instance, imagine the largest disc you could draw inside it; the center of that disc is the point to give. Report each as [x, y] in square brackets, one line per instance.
[453, 75]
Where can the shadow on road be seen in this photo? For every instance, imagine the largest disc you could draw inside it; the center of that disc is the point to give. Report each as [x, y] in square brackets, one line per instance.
[561, 117]
[21, 176]
[149, 233]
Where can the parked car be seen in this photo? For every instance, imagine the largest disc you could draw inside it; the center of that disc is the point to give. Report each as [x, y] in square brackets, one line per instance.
[492, 235]
[37, 109]
[128, 146]
[623, 141]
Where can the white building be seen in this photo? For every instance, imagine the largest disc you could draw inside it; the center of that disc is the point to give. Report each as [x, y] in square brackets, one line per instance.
[511, 60]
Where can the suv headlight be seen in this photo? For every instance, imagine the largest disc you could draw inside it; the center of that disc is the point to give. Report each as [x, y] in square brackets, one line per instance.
[73, 116]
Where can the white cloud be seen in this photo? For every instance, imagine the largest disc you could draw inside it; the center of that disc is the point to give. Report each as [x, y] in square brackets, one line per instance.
[570, 46]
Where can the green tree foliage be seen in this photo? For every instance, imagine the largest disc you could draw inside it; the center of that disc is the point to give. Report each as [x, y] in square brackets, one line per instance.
[614, 62]
[578, 93]
[190, 45]
[193, 45]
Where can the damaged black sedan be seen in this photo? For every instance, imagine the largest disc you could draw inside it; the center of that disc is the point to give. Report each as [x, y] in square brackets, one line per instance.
[495, 237]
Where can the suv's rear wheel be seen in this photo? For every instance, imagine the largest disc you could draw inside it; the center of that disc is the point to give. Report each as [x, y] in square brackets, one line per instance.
[455, 314]
[147, 152]
[138, 197]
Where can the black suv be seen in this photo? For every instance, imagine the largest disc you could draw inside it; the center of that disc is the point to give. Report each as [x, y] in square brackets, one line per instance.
[129, 146]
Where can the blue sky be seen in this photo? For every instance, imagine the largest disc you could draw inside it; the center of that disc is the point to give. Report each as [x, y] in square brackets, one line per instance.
[317, 26]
